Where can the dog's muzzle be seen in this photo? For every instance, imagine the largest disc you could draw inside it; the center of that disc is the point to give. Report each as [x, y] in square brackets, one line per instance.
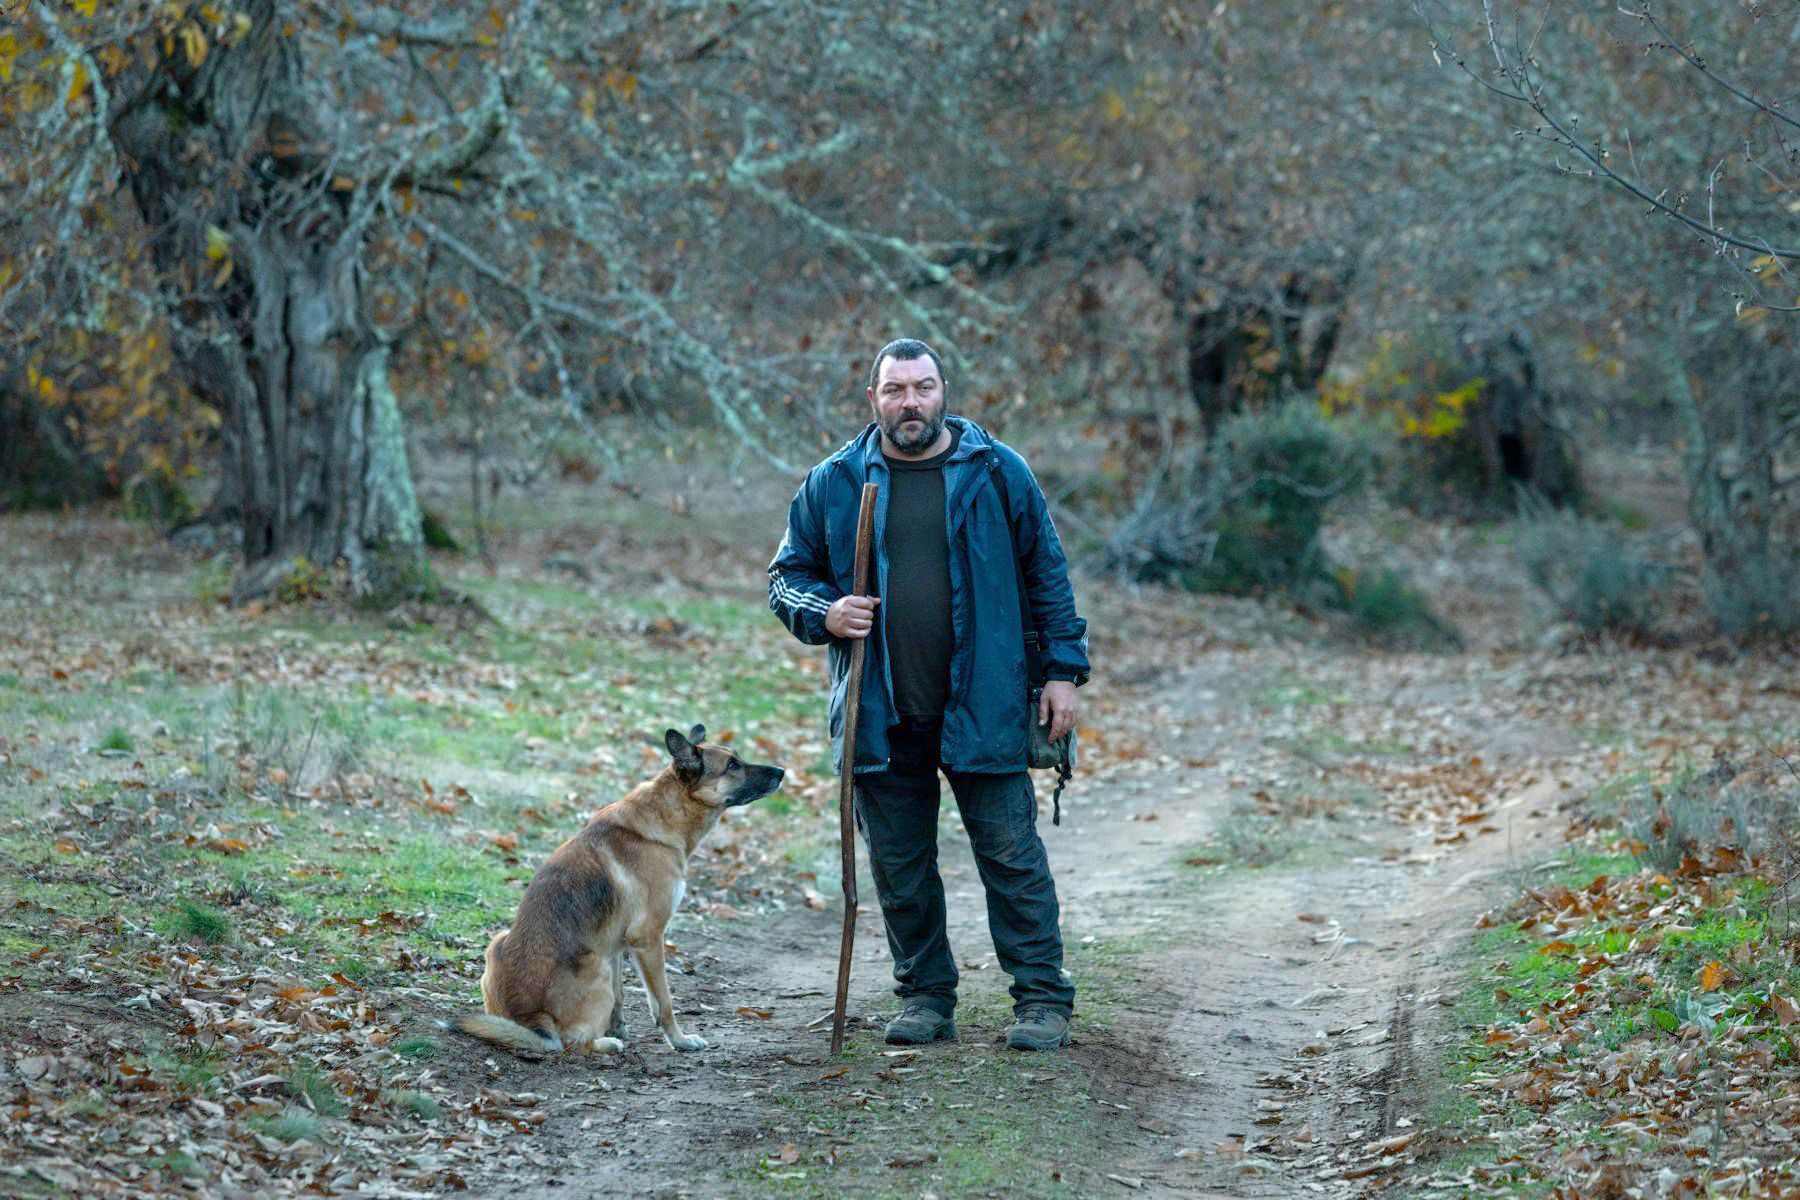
[758, 782]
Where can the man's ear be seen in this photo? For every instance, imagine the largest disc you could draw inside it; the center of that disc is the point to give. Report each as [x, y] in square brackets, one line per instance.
[682, 751]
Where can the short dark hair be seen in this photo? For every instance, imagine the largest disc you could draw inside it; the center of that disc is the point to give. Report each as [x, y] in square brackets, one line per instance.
[905, 349]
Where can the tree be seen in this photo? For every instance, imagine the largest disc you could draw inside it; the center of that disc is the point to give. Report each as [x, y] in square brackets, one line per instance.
[1673, 129]
[529, 202]
[1753, 236]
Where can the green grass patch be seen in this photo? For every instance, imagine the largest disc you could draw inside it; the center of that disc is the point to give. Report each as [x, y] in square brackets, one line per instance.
[442, 889]
[1289, 690]
[117, 738]
[294, 1125]
[415, 1049]
[88, 1104]
[1600, 987]
[189, 921]
[185, 1070]
[179, 1162]
[417, 1104]
[306, 1081]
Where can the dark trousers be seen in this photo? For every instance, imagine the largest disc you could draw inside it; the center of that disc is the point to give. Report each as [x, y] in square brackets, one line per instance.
[897, 810]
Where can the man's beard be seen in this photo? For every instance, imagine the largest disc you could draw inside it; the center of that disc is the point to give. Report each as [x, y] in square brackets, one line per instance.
[912, 441]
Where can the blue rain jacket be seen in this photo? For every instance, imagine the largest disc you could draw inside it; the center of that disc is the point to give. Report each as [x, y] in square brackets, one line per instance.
[985, 716]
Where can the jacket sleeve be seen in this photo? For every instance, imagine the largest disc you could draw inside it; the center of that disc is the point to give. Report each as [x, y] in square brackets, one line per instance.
[800, 587]
[1046, 570]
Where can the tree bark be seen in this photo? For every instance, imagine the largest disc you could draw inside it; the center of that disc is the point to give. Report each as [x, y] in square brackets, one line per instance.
[1749, 580]
[263, 268]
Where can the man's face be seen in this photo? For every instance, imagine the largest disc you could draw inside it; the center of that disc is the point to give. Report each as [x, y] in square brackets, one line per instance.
[909, 402]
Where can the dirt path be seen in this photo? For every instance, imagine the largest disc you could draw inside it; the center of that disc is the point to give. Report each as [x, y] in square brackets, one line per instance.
[1243, 1032]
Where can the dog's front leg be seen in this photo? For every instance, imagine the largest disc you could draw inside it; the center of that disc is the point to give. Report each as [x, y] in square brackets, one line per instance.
[617, 1027]
[656, 986]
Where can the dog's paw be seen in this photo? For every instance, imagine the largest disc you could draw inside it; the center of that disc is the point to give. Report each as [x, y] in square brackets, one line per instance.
[687, 1041]
[606, 1045]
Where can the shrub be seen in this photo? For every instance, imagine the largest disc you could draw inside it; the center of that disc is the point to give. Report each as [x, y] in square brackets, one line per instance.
[1244, 516]
[1383, 608]
[302, 581]
[437, 535]
[1271, 477]
[1760, 595]
[1586, 570]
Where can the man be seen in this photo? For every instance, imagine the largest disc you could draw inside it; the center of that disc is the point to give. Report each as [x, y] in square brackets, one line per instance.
[961, 528]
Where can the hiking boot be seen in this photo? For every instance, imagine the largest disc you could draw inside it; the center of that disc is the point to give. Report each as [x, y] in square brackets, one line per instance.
[919, 1024]
[1038, 1028]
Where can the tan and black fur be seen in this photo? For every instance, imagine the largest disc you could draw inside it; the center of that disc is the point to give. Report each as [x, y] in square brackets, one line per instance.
[555, 980]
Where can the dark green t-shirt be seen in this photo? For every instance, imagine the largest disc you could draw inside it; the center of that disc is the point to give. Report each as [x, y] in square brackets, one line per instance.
[917, 606]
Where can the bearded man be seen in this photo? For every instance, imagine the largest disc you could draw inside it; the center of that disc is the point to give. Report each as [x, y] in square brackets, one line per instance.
[963, 537]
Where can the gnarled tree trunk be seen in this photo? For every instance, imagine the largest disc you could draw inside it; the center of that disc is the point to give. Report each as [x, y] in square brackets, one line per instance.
[262, 261]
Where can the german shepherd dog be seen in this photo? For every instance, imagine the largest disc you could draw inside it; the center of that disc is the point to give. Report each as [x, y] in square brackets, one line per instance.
[555, 980]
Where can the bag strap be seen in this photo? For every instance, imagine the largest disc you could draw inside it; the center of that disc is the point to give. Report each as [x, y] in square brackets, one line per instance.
[1034, 655]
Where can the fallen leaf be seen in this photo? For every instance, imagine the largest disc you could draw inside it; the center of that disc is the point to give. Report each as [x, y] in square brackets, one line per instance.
[1393, 1145]
[36, 1067]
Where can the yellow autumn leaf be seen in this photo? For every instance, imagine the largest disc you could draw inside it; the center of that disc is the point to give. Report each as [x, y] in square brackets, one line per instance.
[78, 81]
[193, 44]
[218, 243]
[590, 102]
[1442, 423]
[9, 50]
[1712, 975]
[85, 7]
[622, 84]
[1114, 105]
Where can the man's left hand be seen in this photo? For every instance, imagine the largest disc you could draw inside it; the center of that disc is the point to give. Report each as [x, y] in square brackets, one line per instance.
[1058, 706]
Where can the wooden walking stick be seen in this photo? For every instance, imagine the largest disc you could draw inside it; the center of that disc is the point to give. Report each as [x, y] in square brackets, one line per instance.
[865, 533]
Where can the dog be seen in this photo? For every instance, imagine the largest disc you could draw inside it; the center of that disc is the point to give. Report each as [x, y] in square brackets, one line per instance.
[555, 979]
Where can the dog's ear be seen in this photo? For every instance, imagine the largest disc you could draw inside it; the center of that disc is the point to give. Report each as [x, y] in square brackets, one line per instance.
[697, 734]
[682, 750]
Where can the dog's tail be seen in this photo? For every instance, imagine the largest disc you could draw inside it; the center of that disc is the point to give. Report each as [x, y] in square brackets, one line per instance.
[518, 1038]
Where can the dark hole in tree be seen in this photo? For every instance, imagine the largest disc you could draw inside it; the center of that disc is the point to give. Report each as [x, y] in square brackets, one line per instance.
[1512, 456]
